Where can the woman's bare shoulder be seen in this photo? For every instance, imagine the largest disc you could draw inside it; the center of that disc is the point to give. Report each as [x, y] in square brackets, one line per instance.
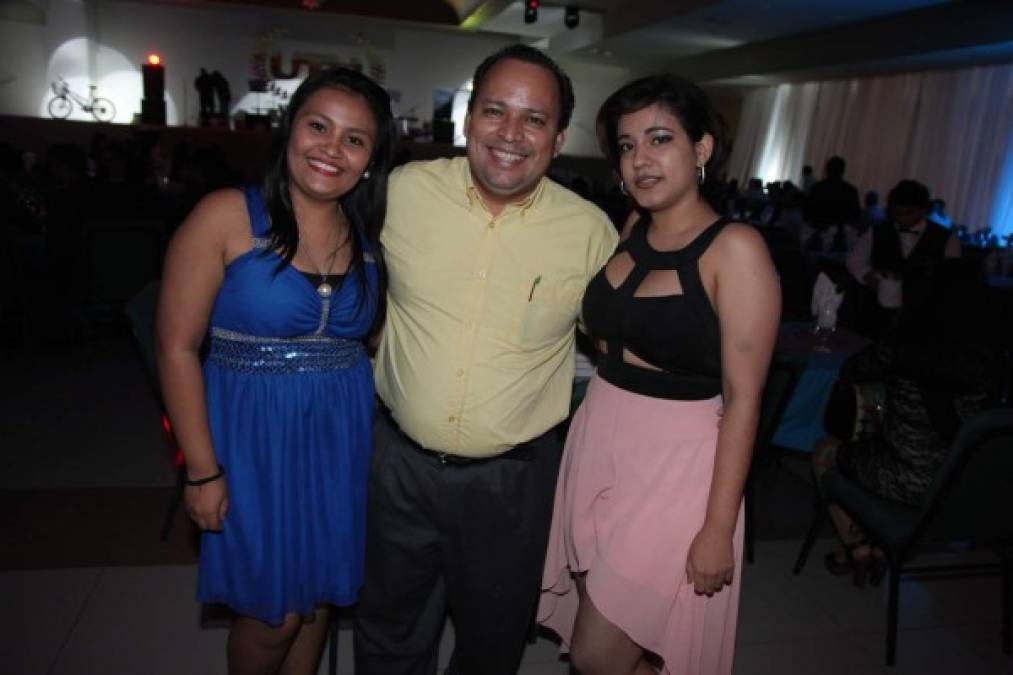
[220, 215]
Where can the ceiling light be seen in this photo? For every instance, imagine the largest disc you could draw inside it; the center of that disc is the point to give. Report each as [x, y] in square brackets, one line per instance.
[571, 19]
[530, 11]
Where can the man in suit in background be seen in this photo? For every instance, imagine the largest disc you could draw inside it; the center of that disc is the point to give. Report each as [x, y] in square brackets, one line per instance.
[892, 258]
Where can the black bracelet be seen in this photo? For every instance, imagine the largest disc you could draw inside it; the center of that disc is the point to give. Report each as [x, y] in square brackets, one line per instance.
[209, 479]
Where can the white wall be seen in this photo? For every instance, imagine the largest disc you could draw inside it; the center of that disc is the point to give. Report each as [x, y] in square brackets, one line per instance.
[23, 57]
[591, 86]
[105, 41]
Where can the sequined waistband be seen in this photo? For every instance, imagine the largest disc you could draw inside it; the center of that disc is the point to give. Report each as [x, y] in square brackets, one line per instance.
[255, 354]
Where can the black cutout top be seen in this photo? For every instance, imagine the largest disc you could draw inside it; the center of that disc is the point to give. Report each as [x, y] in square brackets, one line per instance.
[677, 333]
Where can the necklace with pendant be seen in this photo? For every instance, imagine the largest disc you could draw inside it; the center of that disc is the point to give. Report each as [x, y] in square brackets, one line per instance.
[324, 288]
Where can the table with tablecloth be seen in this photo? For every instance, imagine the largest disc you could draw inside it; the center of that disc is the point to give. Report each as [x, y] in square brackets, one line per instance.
[819, 358]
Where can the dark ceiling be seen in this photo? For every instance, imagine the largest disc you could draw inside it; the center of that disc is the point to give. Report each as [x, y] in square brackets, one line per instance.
[421, 11]
[731, 42]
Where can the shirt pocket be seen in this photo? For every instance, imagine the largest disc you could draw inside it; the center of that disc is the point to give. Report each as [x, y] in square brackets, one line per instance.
[546, 310]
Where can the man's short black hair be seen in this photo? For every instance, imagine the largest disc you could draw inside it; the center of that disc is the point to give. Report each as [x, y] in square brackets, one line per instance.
[521, 52]
[909, 193]
[835, 167]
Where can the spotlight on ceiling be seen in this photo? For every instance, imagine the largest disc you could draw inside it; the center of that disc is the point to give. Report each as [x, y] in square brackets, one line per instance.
[530, 11]
[572, 17]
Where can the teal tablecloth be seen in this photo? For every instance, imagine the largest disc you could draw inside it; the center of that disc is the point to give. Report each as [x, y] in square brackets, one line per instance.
[801, 424]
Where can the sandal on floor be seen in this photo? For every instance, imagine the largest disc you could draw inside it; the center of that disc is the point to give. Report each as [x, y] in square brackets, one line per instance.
[871, 569]
[838, 566]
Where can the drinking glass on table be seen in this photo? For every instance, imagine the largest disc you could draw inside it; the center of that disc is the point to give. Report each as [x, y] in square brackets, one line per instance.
[826, 325]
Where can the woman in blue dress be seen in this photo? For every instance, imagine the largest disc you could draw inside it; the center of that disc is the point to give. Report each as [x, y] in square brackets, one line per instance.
[285, 283]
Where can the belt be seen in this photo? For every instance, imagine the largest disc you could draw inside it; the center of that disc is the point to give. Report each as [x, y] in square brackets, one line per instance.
[267, 355]
[524, 452]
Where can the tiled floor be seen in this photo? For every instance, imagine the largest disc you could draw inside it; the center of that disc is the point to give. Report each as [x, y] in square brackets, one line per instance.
[143, 620]
[84, 418]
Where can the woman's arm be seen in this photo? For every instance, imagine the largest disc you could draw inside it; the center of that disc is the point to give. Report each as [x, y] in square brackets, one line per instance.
[193, 272]
[747, 300]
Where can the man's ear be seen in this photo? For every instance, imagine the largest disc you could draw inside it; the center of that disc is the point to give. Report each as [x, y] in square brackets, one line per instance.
[557, 146]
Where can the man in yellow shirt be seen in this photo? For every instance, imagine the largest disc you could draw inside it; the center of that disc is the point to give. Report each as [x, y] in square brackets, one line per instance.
[487, 262]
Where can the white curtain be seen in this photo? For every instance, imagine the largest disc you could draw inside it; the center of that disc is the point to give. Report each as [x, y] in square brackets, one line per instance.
[952, 130]
[754, 125]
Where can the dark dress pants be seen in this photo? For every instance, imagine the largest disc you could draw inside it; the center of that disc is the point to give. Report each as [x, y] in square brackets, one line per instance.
[465, 537]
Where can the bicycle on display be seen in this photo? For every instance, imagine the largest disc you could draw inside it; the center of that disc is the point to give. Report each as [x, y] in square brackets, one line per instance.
[62, 103]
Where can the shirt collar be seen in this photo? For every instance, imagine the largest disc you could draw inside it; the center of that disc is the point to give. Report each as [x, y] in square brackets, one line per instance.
[474, 196]
[916, 229]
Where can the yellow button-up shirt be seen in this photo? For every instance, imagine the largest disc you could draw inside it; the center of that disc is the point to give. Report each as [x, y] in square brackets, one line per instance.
[477, 354]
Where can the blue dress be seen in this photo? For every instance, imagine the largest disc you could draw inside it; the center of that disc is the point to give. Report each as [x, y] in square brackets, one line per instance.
[290, 407]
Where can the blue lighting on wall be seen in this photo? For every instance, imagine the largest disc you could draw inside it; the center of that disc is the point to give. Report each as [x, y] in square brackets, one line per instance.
[1001, 218]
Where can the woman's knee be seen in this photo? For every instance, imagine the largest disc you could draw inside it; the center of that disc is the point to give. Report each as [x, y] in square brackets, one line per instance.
[588, 659]
[290, 625]
[590, 655]
[283, 634]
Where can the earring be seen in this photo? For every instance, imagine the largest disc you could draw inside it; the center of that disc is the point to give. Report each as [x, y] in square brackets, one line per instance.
[622, 187]
[701, 173]
[365, 175]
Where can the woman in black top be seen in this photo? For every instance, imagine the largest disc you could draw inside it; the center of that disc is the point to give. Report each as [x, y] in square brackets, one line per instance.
[647, 527]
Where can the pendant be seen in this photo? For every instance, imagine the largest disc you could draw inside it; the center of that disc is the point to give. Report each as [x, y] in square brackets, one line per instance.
[325, 290]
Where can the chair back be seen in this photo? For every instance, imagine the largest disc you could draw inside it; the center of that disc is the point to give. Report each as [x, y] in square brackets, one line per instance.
[140, 311]
[972, 495]
[122, 258]
[796, 281]
[781, 380]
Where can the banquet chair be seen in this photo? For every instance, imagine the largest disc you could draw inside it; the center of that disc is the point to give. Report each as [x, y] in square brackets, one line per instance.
[781, 380]
[140, 311]
[122, 257]
[967, 502]
[796, 280]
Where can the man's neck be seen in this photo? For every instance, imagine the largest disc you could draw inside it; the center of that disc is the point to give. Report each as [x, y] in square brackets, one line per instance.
[496, 204]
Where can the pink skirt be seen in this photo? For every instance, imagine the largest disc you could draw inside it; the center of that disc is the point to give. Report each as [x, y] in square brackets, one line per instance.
[632, 495]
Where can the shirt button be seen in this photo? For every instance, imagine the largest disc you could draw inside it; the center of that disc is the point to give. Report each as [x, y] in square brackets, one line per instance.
[492, 226]
[451, 418]
[460, 372]
[481, 274]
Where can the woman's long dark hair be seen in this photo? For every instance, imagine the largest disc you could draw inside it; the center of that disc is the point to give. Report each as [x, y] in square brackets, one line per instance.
[365, 205]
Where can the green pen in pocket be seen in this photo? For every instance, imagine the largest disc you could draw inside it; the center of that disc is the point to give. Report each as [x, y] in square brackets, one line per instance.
[534, 285]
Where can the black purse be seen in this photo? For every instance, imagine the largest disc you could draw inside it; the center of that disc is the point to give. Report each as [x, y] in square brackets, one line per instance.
[855, 411]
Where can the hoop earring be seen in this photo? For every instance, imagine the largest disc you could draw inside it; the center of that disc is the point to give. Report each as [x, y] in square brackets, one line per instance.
[701, 173]
[622, 187]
